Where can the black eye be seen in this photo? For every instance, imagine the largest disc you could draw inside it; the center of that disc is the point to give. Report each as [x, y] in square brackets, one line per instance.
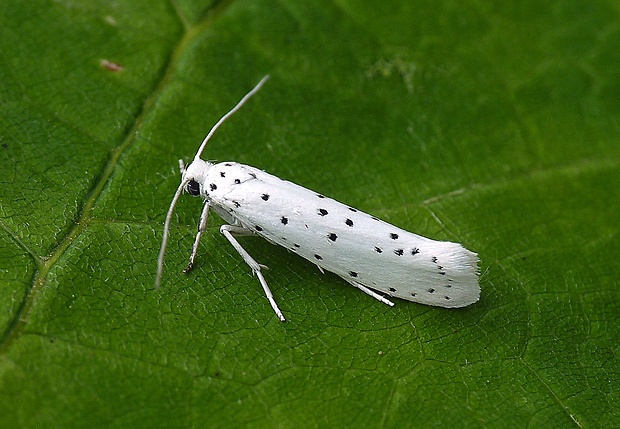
[193, 188]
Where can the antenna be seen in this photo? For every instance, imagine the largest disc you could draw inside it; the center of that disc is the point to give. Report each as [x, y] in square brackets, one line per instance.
[229, 114]
[186, 180]
[164, 242]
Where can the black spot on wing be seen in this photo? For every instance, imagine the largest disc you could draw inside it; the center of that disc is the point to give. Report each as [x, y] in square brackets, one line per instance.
[332, 236]
[212, 186]
[322, 212]
[283, 220]
[349, 222]
[265, 197]
[352, 273]
[394, 236]
[318, 257]
[399, 252]
[378, 249]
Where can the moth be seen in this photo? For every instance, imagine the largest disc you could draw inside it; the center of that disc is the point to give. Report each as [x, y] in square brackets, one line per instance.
[374, 256]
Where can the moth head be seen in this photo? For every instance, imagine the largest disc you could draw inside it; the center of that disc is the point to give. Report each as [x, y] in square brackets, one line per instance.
[194, 175]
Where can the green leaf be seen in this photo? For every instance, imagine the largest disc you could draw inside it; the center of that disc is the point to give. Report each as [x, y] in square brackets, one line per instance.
[491, 124]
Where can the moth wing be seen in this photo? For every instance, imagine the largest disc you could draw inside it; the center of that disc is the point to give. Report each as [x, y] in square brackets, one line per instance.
[352, 244]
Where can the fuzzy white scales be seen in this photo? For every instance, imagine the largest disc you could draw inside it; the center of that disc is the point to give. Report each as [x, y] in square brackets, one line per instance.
[367, 252]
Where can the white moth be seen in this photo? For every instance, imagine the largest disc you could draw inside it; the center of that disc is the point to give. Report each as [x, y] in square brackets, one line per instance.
[368, 253]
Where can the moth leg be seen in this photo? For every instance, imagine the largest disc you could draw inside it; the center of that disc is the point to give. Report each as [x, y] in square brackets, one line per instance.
[371, 293]
[202, 227]
[228, 231]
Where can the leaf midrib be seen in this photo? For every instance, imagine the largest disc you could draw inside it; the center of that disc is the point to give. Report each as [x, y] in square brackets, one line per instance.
[84, 218]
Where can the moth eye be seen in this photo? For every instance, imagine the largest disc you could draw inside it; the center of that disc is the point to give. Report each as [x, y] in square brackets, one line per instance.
[193, 188]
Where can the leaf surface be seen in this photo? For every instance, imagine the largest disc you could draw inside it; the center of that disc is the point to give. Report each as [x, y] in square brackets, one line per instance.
[491, 124]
